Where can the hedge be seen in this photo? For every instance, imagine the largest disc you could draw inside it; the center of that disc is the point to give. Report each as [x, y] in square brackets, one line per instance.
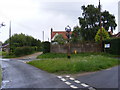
[20, 51]
[114, 46]
[46, 47]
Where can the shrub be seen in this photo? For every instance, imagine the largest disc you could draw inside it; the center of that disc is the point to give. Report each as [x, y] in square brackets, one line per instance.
[104, 33]
[20, 51]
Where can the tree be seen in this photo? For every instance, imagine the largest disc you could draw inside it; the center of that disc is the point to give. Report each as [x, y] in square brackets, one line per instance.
[76, 35]
[90, 22]
[59, 38]
[104, 34]
[22, 40]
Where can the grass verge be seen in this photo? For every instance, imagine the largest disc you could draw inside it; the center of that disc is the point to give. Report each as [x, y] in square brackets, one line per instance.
[61, 55]
[84, 62]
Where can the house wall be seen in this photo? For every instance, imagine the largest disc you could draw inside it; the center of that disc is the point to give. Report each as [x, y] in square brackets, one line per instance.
[83, 47]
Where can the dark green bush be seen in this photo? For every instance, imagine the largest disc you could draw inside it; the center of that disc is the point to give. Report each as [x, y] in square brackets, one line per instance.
[20, 51]
[46, 47]
[114, 46]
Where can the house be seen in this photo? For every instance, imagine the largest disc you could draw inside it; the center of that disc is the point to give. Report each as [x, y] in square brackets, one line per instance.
[5, 47]
[55, 33]
[116, 35]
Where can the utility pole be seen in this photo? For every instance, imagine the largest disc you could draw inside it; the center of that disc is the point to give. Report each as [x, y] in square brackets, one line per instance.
[10, 38]
[100, 26]
[43, 36]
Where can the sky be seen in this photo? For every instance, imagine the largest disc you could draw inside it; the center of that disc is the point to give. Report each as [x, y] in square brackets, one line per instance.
[32, 17]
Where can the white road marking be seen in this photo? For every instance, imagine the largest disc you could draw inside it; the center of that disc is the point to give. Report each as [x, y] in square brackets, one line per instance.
[77, 81]
[4, 83]
[72, 79]
[59, 76]
[73, 86]
[84, 85]
[5, 59]
[68, 83]
[67, 76]
[63, 79]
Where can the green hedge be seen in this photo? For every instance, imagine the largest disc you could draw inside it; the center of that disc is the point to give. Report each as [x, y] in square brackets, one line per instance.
[46, 47]
[114, 46]
[20, 51]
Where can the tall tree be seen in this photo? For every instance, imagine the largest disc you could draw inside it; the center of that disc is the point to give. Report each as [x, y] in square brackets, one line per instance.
[76, 35]
[90, 21]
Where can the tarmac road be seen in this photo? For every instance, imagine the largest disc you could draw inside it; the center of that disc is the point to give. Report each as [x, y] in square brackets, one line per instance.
[17, 74]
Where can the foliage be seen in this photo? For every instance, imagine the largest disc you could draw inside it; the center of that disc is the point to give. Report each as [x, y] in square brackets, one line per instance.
[20, 51]
[46, 47]
[76, 64]
[90, 22]
[22, 40]
[59, 38]
[76, 35]
[108, 21]
[52, 55]
[114, 46]
[102, 33]
[2, 53]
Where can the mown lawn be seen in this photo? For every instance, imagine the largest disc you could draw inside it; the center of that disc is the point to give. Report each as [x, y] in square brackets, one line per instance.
[84, 62]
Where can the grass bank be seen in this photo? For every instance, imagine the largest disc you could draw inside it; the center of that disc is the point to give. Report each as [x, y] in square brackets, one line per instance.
[84, 62]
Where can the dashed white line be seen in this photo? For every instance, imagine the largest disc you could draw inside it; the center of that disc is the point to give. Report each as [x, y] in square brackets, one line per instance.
[67, 76]
[76, 81]
[68, 83]
[63, 79]
[59, 76]
[72, 79]
[73, 86]
[84, 85]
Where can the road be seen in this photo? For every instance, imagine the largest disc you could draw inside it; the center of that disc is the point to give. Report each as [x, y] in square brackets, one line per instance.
[17, 74]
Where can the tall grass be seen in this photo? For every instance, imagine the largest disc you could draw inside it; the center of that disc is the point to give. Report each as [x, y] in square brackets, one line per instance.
[61, 55]
[83, 63]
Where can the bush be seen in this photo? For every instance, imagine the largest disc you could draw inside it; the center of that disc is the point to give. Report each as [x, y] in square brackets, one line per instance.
[104, 33]
[46, 47]
[114, 46]
[20, 51]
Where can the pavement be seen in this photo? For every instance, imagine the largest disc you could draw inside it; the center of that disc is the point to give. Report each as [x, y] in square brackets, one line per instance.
[32, 56]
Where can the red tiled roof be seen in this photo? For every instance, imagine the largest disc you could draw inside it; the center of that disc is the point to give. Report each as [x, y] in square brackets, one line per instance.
[63, 33]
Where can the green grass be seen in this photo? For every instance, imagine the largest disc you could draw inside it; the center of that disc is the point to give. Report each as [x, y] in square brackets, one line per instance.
[84, 62]
[61, 55]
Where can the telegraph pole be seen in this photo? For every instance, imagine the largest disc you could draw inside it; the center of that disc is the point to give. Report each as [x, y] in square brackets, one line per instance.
[10, 38]
[100, 26]
[43, 36]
